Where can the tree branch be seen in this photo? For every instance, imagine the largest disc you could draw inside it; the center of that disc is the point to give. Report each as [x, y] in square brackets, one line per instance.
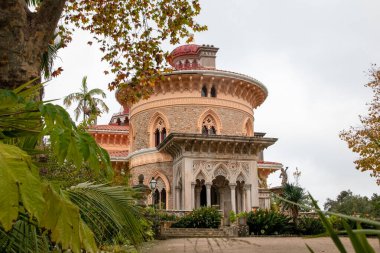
[45, 22]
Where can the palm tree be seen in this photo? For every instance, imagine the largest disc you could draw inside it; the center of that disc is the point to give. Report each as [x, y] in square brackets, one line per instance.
[295, 194]
[87, 103]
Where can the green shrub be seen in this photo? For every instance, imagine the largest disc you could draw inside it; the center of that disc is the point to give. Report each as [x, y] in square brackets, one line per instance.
[310, 226]
[264, 222]
[204, 217]
[232, 217]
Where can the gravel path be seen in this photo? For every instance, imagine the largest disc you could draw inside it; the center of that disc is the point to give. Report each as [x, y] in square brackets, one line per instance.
[249, 244]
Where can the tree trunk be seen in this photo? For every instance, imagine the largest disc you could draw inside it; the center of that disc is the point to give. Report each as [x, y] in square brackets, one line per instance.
[24, 36]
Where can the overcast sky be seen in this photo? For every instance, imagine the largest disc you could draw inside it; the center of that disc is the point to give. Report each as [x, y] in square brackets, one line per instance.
[311, 55]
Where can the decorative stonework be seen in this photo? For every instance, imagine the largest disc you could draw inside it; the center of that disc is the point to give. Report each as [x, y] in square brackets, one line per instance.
[209, 170]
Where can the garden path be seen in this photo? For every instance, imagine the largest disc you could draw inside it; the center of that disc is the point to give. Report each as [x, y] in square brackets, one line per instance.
[249, 245]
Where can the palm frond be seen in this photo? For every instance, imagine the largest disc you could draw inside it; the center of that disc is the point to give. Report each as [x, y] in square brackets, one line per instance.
[73, 97]
[108, 211]
[100, 103]
[97, 91]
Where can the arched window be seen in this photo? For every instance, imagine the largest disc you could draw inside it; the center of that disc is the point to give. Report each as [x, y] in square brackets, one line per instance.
[159, 132]
[208, 126]
[204, 91]
[157, 137]
[213, 92]
[160, 194]
[163, 134]
[118, 121]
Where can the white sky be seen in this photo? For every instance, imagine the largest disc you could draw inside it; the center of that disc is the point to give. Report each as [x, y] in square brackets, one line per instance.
[312, 56]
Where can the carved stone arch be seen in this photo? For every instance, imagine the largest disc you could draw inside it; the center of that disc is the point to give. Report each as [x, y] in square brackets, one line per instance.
[247, 128]
[200, 176]
[214, 116]
[164, 179]
[221, 170]
[241, 178]
[152, 126]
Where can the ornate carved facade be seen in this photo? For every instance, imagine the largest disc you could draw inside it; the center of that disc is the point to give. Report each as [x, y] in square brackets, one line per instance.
[195, 135]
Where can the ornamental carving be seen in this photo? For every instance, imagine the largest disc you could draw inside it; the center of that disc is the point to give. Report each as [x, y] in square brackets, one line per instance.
[220, 171]
[209, 170]
[160, 125]
[209, 122]
[160, 184]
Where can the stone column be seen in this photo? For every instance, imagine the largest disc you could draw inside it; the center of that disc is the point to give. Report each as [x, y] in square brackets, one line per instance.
[248, 192]
[244, 202]
[198, 197]
[177, 198]
[159, 200]
[208, 193]
[233, 197]
[238, 209]
[255, 186]
[187, 176]
[192, 196]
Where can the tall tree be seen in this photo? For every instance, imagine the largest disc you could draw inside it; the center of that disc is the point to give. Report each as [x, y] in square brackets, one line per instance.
[130, 34]
[365, 140]
[88, 104]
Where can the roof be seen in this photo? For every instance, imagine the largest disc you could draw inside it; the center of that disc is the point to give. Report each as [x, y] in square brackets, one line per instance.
[265, 162]
[190, 49]
[118, 153]
[109, 128]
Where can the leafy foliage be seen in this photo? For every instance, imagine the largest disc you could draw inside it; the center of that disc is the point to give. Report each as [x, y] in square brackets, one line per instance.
[32, 214]
[357, 237]
[348, 203]
[232, 216]
[204, 217]
[129, 33]
[108, 211]
[267, 222]
[365, 140]
[310, 226]
[293, 194]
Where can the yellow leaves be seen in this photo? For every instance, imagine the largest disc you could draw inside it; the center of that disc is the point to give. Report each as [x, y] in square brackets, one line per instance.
[366, 140]
[131, 34]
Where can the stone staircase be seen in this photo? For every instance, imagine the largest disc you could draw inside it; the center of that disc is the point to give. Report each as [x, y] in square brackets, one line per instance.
[192, 232]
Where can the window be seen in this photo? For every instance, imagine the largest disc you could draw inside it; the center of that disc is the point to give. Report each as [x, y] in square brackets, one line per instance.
[204, 130]
[213, 92]
[208, 126]
[157, 137]
[163, 134]
[204, 91]
[212, 131]
[159, 132]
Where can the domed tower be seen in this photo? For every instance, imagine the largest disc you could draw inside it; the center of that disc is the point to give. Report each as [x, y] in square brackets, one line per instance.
[195, 135]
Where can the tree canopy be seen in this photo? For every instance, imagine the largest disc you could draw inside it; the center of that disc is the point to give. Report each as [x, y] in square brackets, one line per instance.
[365, 140]
[348, 203]
[130, 35]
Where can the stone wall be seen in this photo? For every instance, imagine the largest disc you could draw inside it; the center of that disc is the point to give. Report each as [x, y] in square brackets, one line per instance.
[184, 119]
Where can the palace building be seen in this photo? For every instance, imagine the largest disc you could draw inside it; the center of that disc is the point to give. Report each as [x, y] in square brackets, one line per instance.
[195, 135]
